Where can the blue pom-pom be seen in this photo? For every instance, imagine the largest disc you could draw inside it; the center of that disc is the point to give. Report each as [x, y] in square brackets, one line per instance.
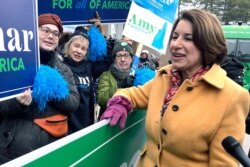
[98, 44]
[142, 75]
[49, 84]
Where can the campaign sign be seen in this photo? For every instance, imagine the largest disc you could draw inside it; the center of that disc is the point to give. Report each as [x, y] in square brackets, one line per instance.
[145, 27]
[165, 9]
[80, 11]
[94, 146]
[18, 46]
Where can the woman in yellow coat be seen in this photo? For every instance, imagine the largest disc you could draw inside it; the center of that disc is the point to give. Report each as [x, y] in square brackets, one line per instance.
[191, 104]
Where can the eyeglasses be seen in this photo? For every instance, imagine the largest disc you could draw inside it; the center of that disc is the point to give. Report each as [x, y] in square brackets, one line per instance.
[125, 56]
[47, 31]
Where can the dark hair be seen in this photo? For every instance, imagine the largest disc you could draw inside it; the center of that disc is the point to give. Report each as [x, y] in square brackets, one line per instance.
[64, 38]
[207, 35]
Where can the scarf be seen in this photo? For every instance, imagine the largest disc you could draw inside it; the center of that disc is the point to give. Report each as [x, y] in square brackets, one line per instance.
[176, 81]
[45, 56]
[118, 73]
[79, 68]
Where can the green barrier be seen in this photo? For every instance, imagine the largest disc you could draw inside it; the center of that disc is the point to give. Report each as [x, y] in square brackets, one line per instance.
[97, 145]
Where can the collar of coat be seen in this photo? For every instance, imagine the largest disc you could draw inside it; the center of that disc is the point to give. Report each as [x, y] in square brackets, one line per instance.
[215, 76]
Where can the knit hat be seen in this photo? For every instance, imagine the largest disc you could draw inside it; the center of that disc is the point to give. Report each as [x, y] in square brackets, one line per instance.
[80, 30]
[122, 46]
[49, 18]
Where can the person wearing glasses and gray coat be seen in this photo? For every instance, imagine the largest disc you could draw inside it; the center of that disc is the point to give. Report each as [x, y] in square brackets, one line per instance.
[32, 123]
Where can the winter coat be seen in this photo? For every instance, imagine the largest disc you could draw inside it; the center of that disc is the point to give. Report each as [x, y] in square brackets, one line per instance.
[18, 133]
[99, 66]
[107, 86]
[84, 114]
[200, 115]
[146, 62]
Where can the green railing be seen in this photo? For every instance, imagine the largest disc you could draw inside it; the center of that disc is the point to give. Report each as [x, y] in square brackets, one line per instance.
[97, 145]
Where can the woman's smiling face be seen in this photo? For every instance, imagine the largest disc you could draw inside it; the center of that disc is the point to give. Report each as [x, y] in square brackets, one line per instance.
[78, 49]
[185, 55]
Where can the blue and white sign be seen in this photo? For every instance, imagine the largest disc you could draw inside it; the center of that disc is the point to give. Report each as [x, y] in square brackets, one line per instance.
[165, 9]
[80, 11]
[18, 46]
[145, 27]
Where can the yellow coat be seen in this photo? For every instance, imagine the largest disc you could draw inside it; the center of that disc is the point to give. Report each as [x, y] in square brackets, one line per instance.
[199, 117]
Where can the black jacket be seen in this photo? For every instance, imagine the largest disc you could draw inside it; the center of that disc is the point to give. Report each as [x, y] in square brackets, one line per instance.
[98, 67]
[83, 116]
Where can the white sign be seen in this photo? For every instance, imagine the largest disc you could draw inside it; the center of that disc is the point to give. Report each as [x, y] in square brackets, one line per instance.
[147, 28]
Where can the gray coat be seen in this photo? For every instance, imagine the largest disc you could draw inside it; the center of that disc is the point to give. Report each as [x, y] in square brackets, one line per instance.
[18, 133]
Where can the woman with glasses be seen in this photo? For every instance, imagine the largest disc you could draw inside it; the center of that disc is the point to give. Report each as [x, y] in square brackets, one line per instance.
[118, 74]
[25, 126]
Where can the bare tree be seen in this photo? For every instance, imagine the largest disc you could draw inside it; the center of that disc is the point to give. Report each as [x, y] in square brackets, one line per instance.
[226, 10]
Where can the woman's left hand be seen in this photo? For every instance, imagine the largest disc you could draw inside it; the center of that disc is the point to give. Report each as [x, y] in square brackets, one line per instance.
[116, 113]
[25, 98]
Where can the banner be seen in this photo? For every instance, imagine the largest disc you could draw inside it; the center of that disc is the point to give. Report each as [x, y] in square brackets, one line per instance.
[94, 146]
[80, 11]
[147, 28]
[165, 9]
[18, 46]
